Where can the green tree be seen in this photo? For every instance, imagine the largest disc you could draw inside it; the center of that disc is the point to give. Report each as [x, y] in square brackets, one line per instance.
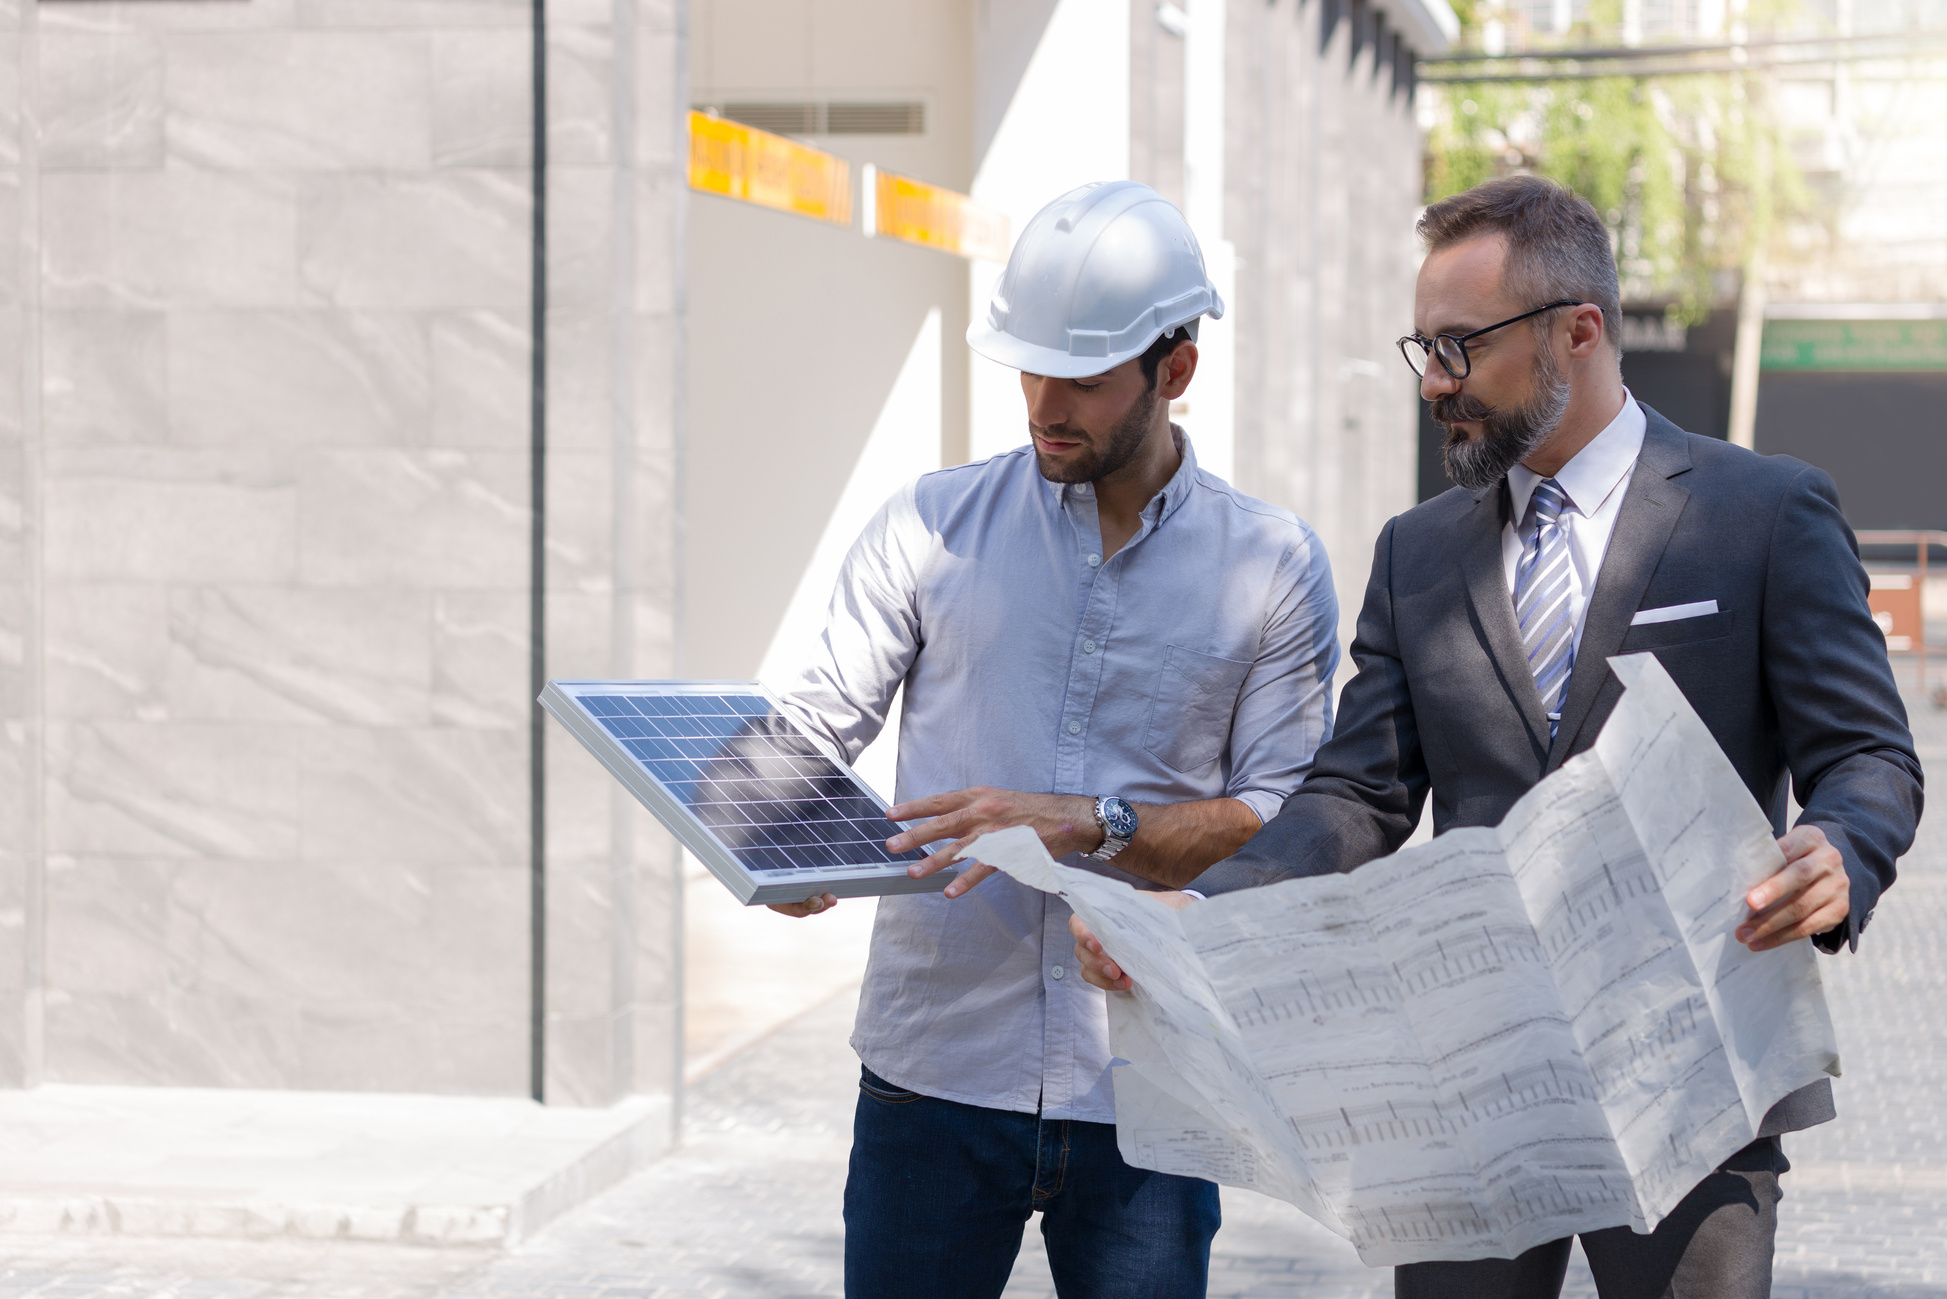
[1687, 170]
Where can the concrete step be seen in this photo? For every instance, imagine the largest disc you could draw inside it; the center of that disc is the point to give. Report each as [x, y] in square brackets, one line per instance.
[426, 1170]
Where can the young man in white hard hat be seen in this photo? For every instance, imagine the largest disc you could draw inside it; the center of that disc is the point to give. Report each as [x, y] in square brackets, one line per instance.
[1099, 640]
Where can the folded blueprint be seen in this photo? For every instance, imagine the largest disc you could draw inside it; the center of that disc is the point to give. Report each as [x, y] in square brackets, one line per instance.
[1499, 1038]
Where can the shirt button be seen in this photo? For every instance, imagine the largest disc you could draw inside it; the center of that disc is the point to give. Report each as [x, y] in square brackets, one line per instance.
[1074, 728]
[1088, 647]
[1095, 561]
[1057, 972]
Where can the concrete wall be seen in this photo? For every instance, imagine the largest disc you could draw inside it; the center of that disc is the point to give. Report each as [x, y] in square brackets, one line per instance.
[1052, 111]
[266, 606]
[1323, 186]
[1156, 116]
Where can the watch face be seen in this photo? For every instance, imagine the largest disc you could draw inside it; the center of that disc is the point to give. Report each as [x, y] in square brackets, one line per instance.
[1119, 818]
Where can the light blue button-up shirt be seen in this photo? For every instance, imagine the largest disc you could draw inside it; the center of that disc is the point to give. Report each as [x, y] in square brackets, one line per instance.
[1195, 663]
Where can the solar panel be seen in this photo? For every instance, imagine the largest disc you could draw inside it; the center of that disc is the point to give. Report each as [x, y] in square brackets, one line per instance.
[721, 766]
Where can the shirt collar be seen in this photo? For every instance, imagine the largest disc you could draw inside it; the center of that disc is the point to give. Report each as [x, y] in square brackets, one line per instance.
[1165, 502]
[1593, 472]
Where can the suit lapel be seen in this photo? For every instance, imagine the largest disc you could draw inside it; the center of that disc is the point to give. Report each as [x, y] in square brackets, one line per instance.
[1486, 576]
[1649, 514]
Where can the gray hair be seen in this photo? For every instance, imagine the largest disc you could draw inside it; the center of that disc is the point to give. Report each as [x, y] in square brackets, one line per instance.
[1557, 245]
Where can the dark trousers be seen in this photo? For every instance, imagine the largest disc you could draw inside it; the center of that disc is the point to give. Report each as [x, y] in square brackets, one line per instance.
[1716, 1244]
[939, 1192]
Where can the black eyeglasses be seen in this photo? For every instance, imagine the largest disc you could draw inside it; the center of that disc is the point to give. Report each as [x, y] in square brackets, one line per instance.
[1451, 349]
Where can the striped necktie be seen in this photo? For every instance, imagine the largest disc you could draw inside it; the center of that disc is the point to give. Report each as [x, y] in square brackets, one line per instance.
[1541, 605]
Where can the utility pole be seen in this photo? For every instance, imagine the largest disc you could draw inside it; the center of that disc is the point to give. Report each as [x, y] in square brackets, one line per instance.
[1750, 340]
[1751, 294]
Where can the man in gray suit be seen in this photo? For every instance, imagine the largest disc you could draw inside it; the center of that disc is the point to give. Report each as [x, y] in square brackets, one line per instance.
[1586, 525]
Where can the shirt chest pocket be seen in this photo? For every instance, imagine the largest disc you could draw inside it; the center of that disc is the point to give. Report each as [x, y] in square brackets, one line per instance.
[1190, 711]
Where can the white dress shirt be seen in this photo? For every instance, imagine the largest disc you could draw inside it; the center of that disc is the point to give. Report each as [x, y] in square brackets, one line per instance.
[1593, 481]
[1195, 663]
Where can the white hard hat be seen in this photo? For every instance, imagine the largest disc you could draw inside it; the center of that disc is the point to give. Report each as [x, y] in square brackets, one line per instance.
[1098, 275]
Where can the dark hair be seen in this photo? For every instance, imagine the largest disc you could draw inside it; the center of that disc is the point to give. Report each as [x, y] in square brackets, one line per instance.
[1557, 245]
[1152, 359]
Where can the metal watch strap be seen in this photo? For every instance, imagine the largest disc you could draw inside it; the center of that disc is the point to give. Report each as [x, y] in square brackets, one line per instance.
[1111, 844]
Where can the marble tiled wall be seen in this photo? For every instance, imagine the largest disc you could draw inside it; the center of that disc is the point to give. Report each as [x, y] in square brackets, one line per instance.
[21, 877]
[617, 199]
[269, 621]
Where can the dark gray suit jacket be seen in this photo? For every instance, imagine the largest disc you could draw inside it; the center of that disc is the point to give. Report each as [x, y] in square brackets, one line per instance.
[1790, 675]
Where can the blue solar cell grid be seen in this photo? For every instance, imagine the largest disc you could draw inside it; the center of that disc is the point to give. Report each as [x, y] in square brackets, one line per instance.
[759, 785]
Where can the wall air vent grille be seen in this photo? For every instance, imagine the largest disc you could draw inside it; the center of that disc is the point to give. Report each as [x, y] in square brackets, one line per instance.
[778, 119]
[805, 117]
[875, 119]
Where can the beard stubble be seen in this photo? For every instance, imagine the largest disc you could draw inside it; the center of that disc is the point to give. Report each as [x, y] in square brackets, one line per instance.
[1093, 463]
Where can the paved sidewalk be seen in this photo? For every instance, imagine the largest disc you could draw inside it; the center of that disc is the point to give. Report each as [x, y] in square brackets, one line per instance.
[749, 1207]
[234, 1163]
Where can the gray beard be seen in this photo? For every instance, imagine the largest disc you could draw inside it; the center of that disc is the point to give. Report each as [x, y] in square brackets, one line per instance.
[1507, 436]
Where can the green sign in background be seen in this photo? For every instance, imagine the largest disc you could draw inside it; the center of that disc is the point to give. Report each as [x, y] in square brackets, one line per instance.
[1855, 345]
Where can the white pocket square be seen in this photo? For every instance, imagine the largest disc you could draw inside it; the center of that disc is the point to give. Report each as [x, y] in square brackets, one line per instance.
[1673, 612]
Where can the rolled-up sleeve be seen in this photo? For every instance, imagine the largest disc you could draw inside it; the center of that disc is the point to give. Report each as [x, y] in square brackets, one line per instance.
[843, 687]
[1284, 711]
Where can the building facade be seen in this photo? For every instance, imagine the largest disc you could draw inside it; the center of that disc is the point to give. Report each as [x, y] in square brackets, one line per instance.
[328, 435]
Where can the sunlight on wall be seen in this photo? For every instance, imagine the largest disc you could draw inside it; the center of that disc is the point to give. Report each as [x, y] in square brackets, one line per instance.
[905, 443]
[1066, 125]
[749, 970]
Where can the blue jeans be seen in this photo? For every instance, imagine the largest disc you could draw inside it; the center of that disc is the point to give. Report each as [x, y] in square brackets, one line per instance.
[939, 1192]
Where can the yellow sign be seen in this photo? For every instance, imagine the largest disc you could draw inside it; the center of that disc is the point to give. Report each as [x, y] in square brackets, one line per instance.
[903, 208]
[739, 161]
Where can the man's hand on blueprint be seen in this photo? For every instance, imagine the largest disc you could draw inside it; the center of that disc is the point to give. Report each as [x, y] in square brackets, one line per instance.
[1065, 823]
[1097, 967]
[1810, 896]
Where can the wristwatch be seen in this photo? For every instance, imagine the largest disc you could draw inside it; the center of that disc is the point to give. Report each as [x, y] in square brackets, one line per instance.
[1118, 822]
